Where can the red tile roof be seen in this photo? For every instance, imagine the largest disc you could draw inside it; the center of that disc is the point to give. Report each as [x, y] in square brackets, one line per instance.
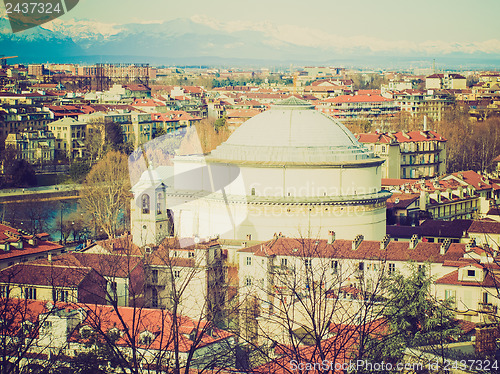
[10, 234]
[367, 250]
[44, 275]
[357, 99]
[485, 227]
[400, 137]
[158, 322]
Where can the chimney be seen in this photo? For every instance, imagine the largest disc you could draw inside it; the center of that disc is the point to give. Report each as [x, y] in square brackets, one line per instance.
[423, 200]
[357, 241]
[413, 241]
[425, 123]
[49, 257]
[385, 241]
[471, 244]
[438, 196]
[444, 246]
[331, 237]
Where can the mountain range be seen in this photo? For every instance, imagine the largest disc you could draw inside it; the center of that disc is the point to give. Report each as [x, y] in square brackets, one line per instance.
[198, 41]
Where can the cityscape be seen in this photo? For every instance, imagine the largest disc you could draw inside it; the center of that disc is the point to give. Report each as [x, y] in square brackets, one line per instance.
[230, 191]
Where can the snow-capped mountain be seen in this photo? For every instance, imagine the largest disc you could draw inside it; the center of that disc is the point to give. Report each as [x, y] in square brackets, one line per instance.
[201, 39]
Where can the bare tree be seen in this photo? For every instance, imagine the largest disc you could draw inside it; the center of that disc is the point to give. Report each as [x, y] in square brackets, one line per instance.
[105, 193]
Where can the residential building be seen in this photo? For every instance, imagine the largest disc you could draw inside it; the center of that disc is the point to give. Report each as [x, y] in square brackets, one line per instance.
[357, 106]
[419, 103]
[62, 330]
[35, 70]
[36, 147]
[124, 273]
[462, 195]
[50, 282]
[445, 81]
[282, 270]
[17, 245]
[14, 118]
[70, 136]
[413, 154]
[486, 233]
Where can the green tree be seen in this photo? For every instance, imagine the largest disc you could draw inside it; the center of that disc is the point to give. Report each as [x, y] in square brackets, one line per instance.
[413, 318]
[78, 170]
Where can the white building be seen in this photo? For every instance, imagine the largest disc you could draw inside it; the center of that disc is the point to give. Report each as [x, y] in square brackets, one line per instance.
[289, 170]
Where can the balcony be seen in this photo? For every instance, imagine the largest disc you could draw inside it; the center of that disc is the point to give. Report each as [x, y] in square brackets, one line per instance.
[487, 308]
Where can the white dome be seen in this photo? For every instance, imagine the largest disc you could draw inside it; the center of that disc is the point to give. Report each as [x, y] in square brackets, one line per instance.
[292, 131]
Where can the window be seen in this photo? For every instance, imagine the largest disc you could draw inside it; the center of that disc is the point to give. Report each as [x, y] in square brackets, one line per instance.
[60, 295]
[190, 254]
[4, 291]
[361, 266]
[392, 268]
[450, 295]
[307, 263]
[113, 287]
[335, 266]
[249, 261]
[284, 262]
[154, 276]
[159, 203]
[145, 204]
[485, 297]
[30, 293]
[248, 281]
[253, 192]
[154, 298]
[177, 273]
[421, 269]
[471, 273]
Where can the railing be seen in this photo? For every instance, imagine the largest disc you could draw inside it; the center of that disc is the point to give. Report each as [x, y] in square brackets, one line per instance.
[487, 308]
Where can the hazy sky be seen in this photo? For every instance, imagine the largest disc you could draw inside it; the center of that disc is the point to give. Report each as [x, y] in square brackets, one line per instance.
[445, 20]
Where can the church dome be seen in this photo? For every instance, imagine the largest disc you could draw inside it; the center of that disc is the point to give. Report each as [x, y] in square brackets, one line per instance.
[292, 132]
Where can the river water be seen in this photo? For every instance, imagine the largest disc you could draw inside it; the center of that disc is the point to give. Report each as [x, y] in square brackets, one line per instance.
[40, 216]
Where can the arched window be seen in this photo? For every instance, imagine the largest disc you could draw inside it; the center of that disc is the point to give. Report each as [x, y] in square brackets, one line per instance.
[159, 203]
[145, 204]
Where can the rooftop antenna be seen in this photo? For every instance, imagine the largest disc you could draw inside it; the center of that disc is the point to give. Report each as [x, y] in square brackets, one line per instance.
[434, 66]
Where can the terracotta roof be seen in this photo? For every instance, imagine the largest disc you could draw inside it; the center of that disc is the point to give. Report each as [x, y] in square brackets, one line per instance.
[136, 87]
[357, 99]
[400, 137]
[7, 234]
[367, 250]
[44, 275]
[111, 265]
[485, 227]
[401, 200]
[158, 322]
[452, 279]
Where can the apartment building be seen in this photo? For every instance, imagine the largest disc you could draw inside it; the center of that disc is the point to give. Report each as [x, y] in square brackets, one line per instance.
[413, 154]
[36, 147]
[278, 272]
[70, 137]
[445, 81]
[358, 106]
[50, 282]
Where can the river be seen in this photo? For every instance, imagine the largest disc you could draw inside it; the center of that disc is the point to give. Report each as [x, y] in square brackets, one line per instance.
[40, 216]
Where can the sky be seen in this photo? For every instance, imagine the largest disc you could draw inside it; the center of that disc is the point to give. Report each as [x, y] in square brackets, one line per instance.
[348, 28]
[391, 20]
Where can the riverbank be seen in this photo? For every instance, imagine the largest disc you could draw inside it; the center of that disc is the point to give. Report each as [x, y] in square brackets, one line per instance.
[44, 193]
